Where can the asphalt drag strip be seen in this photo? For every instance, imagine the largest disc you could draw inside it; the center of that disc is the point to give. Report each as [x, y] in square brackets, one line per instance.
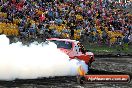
[67, 81]
[101, 66]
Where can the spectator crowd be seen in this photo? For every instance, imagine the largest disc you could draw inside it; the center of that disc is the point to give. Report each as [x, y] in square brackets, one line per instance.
[95, 21]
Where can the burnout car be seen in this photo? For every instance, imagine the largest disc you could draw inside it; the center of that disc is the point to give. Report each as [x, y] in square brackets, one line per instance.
[74, 49]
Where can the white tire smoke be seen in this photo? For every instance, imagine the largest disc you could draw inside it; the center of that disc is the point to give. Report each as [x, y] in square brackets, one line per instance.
[38, 60]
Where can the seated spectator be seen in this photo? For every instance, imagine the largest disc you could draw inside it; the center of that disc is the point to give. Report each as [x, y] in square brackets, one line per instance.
[103, 21]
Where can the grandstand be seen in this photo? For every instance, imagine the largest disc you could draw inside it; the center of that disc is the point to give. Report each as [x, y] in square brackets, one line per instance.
[97, 21]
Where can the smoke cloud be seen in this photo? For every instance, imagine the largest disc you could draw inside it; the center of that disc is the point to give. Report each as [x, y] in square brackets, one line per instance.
[19, 61]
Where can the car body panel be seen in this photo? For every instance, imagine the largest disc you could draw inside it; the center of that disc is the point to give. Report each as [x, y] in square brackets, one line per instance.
[74, 50]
